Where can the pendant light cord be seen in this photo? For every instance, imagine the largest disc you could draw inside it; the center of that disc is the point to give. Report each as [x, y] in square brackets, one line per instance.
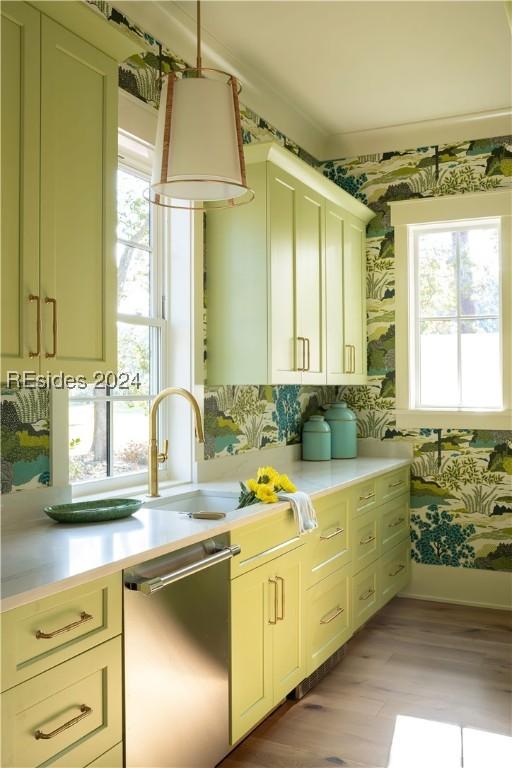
[198, 62]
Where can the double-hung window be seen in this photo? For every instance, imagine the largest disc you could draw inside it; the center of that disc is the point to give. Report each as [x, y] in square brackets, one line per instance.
[453, 315]
[108, 420]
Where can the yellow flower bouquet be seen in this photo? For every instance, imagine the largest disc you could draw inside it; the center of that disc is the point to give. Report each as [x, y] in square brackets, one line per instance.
[264, 488]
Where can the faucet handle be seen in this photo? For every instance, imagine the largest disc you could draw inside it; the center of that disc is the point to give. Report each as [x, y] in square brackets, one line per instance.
[164, 454]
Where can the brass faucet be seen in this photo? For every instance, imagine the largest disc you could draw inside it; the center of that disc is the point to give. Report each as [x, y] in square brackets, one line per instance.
[155, 457]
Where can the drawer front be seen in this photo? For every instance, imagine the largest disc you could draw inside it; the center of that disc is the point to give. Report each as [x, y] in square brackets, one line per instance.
[393, 484]
[365, 595]
[264, 540]
[328, 546]
[394, 522]
[67, 716]
[328, 617]
[111, 759]
[364, 496]
[365, 540]
[395, 569]
[47, 632]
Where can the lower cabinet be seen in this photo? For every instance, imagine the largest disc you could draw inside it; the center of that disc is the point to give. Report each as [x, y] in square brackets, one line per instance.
[66, 716]
[268, 655]
[394, 570]
[328, 619]
[365, 594]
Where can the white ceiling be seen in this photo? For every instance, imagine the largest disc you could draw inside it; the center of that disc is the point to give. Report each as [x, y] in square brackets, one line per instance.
[340, 77]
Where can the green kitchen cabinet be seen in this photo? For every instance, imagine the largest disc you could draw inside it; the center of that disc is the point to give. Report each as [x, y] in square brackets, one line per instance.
[345, 269]
[267, 640]
[59, 150]
[20, 190]
[268, 320]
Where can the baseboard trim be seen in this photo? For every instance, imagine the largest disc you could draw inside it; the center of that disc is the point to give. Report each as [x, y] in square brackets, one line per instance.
[461, 586]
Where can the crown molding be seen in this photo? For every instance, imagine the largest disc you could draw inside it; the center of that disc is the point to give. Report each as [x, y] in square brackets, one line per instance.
[447, 130]
[175, 28]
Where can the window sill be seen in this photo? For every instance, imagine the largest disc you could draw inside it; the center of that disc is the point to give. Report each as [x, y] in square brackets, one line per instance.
[443, 419]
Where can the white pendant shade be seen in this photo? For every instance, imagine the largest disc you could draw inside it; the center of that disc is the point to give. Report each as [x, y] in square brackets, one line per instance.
[198, 154]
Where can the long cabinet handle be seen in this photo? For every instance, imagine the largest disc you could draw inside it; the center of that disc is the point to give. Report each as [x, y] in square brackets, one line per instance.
[337, 532]
[351, 365]
[273, 582]
[281, 581]
[395, 485]
[398, 521]
[53, 302]
[308, 364]
[40, 635]
[303, 339]
[367, 540]
[331, 616]
[395, 573]
[367, 594]
[369, 495]
[34, 297]
[84, 712]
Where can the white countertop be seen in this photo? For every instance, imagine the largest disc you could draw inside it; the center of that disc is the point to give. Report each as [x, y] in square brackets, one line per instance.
[41, 557]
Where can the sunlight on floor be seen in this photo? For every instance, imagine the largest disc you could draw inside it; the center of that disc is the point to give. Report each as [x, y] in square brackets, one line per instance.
[427, 743]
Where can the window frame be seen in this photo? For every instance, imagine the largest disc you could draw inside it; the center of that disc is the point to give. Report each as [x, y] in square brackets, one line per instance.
[442, 212]
[140, 167]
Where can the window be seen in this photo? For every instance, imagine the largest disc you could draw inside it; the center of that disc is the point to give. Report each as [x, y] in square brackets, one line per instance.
[108, 421]
[453, 326]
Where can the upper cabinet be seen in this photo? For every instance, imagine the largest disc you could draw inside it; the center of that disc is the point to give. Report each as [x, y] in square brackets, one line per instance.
[285, 279]
[59, 150]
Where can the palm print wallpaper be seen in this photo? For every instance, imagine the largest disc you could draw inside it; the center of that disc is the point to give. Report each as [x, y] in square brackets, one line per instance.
[461, 479]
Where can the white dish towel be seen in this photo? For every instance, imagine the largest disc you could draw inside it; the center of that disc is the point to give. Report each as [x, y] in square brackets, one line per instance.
[303, 510]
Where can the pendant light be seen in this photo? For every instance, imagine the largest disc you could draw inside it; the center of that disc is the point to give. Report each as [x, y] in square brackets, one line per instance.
[199, 160]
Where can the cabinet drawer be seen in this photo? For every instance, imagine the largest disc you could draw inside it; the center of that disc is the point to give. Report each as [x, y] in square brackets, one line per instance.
[264, 540]
[46, 632]
[365, 540]
[328, 546]
[393, 484]
[66, 716]
[328, 617]
[394, 522]
[394, 570]
[365, 595]
[111, 759]
[364, 496]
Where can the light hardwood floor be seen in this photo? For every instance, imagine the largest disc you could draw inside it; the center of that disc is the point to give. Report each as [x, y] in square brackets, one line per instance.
[443, 663]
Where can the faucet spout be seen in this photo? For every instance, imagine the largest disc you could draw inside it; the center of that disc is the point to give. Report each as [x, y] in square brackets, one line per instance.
[154, 458]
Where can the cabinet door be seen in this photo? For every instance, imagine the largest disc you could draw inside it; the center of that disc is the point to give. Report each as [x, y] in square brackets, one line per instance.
[354, 282]
[252, 617]
[285, 357]
[78, 170]
[334, 293]
[20, 186]
[288, 647]
[310, 283]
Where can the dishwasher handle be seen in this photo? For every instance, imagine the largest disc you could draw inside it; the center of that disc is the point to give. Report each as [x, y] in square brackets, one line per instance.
[149, 586]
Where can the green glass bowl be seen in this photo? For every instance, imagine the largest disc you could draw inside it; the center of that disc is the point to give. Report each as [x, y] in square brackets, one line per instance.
[93, 511]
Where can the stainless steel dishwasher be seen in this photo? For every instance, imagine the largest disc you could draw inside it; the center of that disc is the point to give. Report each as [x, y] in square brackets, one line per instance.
[176, 657]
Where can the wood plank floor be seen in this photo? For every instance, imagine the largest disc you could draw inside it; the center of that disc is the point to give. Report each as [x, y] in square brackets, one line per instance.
[443, 663]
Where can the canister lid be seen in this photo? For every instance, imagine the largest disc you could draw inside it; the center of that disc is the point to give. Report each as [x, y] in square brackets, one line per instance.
[340, 412]
[316, 423]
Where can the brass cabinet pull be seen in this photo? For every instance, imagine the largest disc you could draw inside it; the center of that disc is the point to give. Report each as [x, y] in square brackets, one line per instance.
[395, 485]
[368, 496]
[303, 339]
[367, 540]
[337, 532]
[308, 365]
[348, 363]
[53, 302]
[274, 582]
[34, 297]
[367, 594]
[84, 710]
[353, 366]
[281, 617]
[398, 521]
[48, 635]
[395, 573]
[330, 617]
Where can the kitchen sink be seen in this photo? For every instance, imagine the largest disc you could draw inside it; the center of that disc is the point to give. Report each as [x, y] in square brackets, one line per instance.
[198, 501]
